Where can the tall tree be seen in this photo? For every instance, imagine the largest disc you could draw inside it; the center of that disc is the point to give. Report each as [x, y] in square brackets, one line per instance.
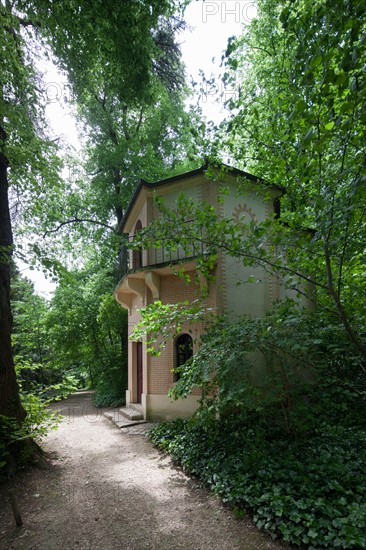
[26, 161]
[133, 63]
[299, 121]
[134, 135]
[30, 340]
[102, 36]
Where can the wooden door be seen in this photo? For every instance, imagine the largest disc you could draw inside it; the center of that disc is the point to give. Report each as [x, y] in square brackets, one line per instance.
[138, 372]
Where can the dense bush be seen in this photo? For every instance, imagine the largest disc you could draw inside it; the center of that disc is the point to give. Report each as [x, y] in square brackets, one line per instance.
[111, 381]
[309, 491]
[44, 382]
[110, 390]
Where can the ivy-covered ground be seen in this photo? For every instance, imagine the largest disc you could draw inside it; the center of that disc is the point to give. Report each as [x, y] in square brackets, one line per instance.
[309, 491]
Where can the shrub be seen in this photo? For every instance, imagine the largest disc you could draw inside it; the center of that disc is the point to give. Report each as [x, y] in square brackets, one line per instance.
[108, 398]
[290, 368]
[39, 418]
[38, 421]
[284, 438]
[110, 388]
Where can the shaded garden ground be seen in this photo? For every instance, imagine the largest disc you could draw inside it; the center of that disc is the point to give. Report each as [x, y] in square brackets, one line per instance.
[109, 489]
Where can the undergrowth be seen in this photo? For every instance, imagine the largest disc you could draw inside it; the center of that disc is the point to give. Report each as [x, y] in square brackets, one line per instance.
[38, 421]
[310, 491]
[110, 390]
[108, 399]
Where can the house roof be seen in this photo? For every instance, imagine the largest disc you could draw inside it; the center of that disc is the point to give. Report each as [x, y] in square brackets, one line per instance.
[192, 173]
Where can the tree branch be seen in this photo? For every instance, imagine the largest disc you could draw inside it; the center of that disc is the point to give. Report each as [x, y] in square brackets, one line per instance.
[79, 220]
[341, 312]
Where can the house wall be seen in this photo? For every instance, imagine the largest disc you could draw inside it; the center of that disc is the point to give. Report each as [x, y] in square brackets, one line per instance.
[158, 377]
[133, 319]
[174, 289]
[190, 191]
[161, 407]
[142, 214]
[170, 195]
[243, 297]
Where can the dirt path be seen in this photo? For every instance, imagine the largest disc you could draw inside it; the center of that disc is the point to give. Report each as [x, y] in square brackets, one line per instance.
[106, 489]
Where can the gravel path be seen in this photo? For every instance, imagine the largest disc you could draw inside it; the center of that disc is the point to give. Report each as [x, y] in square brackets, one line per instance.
[110, 489]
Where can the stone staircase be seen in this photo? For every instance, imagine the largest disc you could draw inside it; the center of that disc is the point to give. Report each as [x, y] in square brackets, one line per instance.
[128, 416]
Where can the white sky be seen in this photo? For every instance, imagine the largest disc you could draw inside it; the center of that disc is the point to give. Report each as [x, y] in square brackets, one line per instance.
[211, 24]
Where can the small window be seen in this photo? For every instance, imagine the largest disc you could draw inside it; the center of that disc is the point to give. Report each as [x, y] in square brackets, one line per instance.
[183, 352]
[137, 254]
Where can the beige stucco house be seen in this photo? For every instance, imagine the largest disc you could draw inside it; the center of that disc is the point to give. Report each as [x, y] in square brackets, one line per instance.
[152, 276]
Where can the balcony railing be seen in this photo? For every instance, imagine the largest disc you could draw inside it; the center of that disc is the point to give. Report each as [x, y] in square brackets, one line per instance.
[154, 257]
[162, 256]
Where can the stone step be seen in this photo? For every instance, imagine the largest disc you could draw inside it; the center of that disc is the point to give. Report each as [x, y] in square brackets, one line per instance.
[122, 422]
[135, 406]
[131, 413]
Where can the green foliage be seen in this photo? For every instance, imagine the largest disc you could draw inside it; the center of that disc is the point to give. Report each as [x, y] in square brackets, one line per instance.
[160, 322]
[68, 383]
[281, 367]
[105, 37]
[36, 371]
[133, 117]
[88, 330]
[287, 442]
[38, 421]
[110, 390]
[309, 492]
[300, 118]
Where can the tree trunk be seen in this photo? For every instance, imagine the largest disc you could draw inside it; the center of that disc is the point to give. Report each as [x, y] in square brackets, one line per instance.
[9, 392]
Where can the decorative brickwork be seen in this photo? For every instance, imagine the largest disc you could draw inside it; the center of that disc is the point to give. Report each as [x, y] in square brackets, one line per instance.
[243, 210]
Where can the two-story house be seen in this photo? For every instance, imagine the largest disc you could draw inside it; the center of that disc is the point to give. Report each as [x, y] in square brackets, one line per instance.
[152, 276]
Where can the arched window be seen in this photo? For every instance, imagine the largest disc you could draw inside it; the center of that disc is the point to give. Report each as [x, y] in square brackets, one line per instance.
[183, 352]
[137, 254]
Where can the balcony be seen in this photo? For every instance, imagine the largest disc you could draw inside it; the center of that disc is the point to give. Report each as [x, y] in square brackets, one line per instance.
[140, 268]
[156, 258]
